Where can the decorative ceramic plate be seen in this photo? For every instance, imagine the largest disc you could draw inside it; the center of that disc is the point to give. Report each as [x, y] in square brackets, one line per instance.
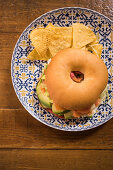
[25, 74]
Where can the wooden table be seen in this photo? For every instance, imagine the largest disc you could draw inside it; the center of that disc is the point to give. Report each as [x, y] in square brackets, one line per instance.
[25, 143]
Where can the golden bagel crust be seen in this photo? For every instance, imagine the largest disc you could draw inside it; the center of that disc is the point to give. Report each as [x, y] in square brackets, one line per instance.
[67, 93]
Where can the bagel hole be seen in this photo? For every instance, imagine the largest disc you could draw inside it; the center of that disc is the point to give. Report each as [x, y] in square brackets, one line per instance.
[77, 76]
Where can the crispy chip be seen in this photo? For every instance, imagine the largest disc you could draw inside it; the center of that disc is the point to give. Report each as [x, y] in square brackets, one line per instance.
[61, 39]
[94, 42]
[39, 38]
[50, 40]
[82, 35]
[33, 55]
[59, 43]
[84, 48]
[63, 31]
[96, 49]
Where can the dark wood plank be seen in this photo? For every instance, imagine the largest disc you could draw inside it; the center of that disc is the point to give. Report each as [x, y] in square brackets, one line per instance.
[56, 159]
[18, 129]
[17, 15]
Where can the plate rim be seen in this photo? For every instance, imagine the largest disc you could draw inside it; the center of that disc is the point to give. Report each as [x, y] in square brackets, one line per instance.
[31, 112]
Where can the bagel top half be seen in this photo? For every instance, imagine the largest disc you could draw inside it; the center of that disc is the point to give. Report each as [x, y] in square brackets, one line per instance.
[69, 94]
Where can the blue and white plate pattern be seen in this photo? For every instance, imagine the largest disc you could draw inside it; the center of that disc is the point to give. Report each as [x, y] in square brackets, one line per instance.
[25, 74]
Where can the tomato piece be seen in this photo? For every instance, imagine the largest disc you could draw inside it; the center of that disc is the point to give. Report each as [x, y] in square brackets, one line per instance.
[49, 110]
[58, 115]
[76, 114]
[84, 112]
[98, 101]
[43, 90]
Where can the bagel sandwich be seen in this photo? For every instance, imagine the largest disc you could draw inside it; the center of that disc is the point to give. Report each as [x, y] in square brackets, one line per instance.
[73, 84]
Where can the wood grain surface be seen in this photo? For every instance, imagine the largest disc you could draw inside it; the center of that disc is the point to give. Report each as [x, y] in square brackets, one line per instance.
[25, 143]
[55, 159]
